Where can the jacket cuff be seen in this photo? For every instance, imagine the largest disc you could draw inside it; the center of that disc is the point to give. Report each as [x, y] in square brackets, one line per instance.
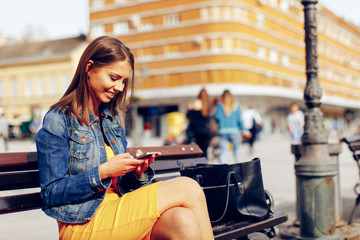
[130, 181]
[95, 181]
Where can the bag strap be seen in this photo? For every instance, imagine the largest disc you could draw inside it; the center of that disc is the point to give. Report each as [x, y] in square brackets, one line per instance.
[230, 175]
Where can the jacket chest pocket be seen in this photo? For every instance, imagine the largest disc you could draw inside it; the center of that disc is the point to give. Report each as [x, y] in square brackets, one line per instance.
[117, 133]
[80, 150]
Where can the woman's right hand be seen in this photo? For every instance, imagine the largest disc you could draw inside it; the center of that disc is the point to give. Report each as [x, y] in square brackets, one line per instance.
[119, 165]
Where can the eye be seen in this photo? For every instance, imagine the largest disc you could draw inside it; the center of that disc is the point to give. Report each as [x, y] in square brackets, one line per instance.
[114, 78]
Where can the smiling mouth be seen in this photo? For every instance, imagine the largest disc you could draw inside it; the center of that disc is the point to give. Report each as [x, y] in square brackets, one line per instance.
[110, 95]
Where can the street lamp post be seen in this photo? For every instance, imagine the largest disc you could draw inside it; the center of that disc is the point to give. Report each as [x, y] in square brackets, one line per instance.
[315, 170]
[318, 207]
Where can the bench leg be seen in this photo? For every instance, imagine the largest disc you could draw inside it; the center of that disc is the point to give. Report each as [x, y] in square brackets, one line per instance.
[352, 215]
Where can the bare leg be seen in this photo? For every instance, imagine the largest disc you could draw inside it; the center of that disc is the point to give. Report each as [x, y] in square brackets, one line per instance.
[176, 223]
[183, 211]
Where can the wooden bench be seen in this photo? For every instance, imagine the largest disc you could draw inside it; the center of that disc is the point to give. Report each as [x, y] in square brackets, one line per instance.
[19, 171]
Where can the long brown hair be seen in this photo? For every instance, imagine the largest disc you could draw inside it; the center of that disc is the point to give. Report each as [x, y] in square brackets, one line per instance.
[102, 51]
[205, 101]
[228, 101]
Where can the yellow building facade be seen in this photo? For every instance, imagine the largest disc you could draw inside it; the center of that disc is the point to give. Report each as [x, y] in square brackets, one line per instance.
[34, 75]
[255, 48]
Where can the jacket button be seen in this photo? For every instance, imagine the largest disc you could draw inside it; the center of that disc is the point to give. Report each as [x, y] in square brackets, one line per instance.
[113, 142]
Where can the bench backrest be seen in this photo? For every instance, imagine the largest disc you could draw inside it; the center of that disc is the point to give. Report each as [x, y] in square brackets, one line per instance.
[20, 171]
[353, 143]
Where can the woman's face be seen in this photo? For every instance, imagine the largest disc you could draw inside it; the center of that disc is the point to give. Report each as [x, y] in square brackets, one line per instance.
[105, 82]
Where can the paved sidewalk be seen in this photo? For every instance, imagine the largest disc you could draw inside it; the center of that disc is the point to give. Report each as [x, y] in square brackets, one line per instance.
[278, 174]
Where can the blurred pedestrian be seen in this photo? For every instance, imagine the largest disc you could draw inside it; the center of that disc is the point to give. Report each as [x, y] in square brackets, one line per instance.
[147, 130]
[4, 132]
[295, 123]
[35, 125]
[198, 115]
[252, 122]
[230, 125]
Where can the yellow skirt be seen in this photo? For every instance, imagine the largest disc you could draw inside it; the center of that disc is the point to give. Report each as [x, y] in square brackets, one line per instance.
[131, 216]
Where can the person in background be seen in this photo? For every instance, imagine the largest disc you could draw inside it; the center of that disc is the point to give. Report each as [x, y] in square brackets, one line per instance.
[35, 126]
[230, 126]
[198, 115]
[252, 122]
[4, 131]
[147, 130]
[296, 123]
[89, 182]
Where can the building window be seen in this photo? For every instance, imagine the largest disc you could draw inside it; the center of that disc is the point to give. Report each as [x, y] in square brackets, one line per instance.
[348, 79]
[240, 14]
[260, 20]
[146, 27]
[41, 87]
[273, 3]
[53, 87]
[285, 60]
[121, 27]
[172, 19]
[227, 13]
[274, 56]
[121, 1]
[228, 44]
[215, 45]
[97, 30]
[215, 13]
[204, 13]
[28, 89]
[261, 53]
[284, 5]
[97, 4]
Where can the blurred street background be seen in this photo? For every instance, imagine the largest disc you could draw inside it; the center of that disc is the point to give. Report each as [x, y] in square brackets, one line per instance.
[277, 164]
[255, 48]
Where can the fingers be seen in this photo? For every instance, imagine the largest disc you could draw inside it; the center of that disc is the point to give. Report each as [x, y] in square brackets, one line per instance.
[138, 152]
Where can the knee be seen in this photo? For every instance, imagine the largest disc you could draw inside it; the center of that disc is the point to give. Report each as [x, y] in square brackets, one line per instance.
[191, 187]
[184, 224]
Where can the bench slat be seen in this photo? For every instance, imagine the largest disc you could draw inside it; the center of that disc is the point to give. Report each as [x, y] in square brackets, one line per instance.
[30, 179]
[18, 161]
[19, 180]
[22, 202]
[28, 160]
[244, 228]
[162, 166]
[172, 151]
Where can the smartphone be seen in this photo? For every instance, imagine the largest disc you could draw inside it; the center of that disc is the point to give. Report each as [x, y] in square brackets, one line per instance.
[146, 155]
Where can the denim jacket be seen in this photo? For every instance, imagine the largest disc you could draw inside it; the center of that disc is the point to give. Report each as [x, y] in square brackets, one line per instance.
[69, 155]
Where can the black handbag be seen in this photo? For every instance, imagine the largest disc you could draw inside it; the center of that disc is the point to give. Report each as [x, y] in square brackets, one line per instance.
[234, 192]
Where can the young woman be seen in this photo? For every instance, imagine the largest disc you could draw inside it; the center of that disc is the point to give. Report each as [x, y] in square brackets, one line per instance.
[199, 120]
[230, 125]
[89, 183]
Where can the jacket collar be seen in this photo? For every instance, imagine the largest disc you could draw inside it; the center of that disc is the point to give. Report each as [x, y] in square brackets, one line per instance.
[104, 112]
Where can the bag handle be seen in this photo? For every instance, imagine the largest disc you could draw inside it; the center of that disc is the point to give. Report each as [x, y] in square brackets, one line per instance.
[230, 175]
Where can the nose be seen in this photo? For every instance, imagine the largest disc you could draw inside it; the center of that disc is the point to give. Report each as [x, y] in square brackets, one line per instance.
[119, 87]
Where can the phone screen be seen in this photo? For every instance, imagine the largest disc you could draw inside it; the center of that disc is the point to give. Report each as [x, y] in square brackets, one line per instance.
[146, 155]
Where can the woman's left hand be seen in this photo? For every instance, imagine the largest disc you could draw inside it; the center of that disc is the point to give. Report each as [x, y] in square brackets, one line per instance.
[142, 168]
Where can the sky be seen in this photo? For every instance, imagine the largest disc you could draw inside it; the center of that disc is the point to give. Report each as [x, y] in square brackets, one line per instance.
[49, 18]
[68, 18]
